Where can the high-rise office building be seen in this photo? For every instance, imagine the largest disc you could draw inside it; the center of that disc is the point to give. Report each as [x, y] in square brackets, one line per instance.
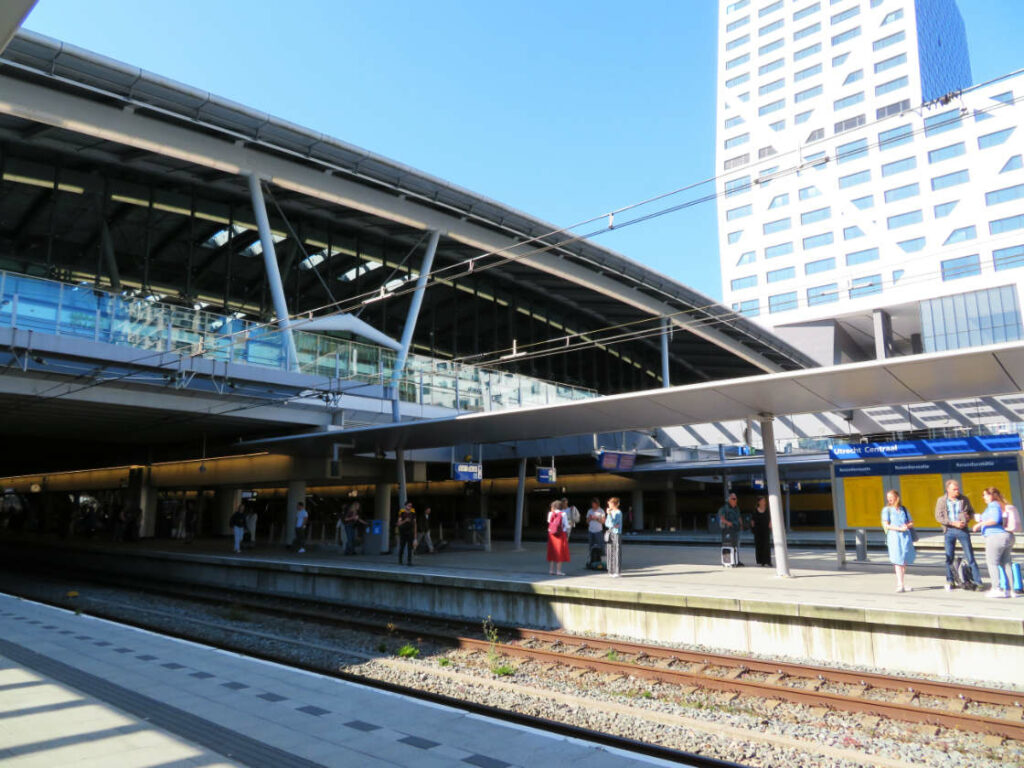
[871, 200]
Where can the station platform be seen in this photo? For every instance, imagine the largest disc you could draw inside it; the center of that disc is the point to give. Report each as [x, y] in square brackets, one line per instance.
[668, 594]
[76, 690]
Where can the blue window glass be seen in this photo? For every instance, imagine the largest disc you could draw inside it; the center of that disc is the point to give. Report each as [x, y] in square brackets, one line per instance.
[885, 42]
[852, 233]
[735, 141]
[970, 319]
[746, 258]
[821, 265]
[851, 151]
[822, 294]
[737, 42]
[1008, 258]
[863, 203]
[848, 101]
[892, 85]
[737, 186]
[802, 117]
[912, 246]
[899, 166]
[779, 225]
[803, 13]
[945, 153]
[849, 13]
[738, 213]
[732, 122]
[777, 275]
[769, 28]
[735, 6]
[806, 193]
[843, 37]
[744, 97]
[770, 107]
[865, 286]
[774, 85]
[950, 180]
[942, 210]
[995, 139]
[853, 179]
[838, 61]
[779, 200]
[891, 17]
[942, 122]
[1008, 224]
[817, 241]
[961, 234]
[734, 237]
[810, 50]
[769, 47]
[782, 302]
[895, 61]
[749, 308]
[1004, 195]
[964, 266]
[778, 125]
[733, 26]
[803, 74]
[1006, 97]
[774, 251]
[810, 93]
[902, 193]
[743, 282]
[800, 34]
[853, 77]
[861, 257]
[732, 63]
[1013, 164]
[738, 80]
[817, 215]
[771, 66]
[770, 8]
[894, 137]
[897, 275]
[904, 219]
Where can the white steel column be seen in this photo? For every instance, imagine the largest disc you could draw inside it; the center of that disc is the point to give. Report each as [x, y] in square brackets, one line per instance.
[771, 478]
[403, 489]
[517, 534]
[296, 493]
[259, 208]
[666, 329]
[410, 320]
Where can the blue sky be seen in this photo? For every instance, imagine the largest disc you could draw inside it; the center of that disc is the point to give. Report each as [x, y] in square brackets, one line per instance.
[564, 110]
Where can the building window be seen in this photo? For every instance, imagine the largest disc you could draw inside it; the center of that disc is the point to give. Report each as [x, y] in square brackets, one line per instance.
[961, 234]
[779, 200]
[737, 42]
[849, 124]
[803, 74]
[838, 61]
[822, 294]
[817, 241]
[892, 16]
[767, 29]
[899, 166]
[942, 122]
[738, 80]
[889, 63]
[902, 193]
[800, 34]
[849, 13]
[736, 141]
[734, 237]
[897, 108]
[1008, 258]
[892, 85]
[774, 251]
[817, 215]
[737, 186]
[769, 47]
[810, 93]
[851, 151]
[950, 180]
[897, 275]
[1004, 195]
[777, 275]
[852, 233]
[764, 175]
[1013, 164]
[894, 137]
[821, 265]
[733, 63]
[774, 85]
[779, 225]
[802, 117]
[885, 42]
[773, 106]
[848, 101]
[861, 177]
[964, 266]
[748, 308]
[770, 8]
[736, 5]
[806, 193]
[803, 13]
[810, 50]
[732, 122]
[843, 37]
[764, 152]
[746, 258]
[945, 153]
[863, 203]
[1008, 224]
[1006, 97]
[861, 257]
[777, 126]
[970, 319]
[853, 77]
[865, 286]
[738, 213]
[942, 210]
[733, 26]
[816, 135]
[736, 162]
[904, 219]
[782, 302]
[994, 139]
[912, 246]
[743, 282]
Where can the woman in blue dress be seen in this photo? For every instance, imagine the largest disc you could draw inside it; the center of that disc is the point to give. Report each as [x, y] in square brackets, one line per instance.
[897, 524]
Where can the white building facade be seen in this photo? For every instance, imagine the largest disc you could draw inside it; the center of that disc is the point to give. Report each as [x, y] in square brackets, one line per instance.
[871, 201]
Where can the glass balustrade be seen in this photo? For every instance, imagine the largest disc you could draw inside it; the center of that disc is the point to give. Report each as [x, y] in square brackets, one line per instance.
[86, 312]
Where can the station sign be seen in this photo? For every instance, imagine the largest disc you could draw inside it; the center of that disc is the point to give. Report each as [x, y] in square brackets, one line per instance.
[467, 471]
[929, 466]
[612, 461]
[547, 475]
[908, 448]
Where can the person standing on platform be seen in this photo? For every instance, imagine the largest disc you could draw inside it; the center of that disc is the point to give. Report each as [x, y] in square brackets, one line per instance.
[595, 531]
[350, 520]
[730, 518]
[896, 523]
[237, 522]
[558, 539]
[301, 526]
[998, 543]
[613, 522]
[761, 523]
[251, 518]
[423, 527]
[953, 512]
[406, 531]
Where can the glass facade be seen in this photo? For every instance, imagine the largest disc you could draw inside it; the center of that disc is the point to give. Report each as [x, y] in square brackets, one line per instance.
[972, 319]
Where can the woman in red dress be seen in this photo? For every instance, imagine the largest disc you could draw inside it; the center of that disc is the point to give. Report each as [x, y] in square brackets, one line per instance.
[558, 539]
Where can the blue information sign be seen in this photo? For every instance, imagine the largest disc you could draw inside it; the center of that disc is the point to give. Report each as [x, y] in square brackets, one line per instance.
[909, 448]
[547, 475]
[467, 472]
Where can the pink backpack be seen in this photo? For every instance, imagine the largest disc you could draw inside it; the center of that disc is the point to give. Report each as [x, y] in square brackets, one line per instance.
[1011, 519]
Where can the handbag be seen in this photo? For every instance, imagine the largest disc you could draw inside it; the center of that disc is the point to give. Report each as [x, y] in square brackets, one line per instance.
[607, 535]
[914, 535]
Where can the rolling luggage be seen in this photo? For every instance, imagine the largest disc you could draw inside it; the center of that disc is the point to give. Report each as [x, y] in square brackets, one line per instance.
[729, 557]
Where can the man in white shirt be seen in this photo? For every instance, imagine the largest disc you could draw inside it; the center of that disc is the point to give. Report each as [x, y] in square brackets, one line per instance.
[595, 531]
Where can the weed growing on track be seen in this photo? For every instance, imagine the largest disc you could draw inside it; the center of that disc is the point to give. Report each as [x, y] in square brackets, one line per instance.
[444, 661]
[612, 655]
[408, 651]
[494, 660]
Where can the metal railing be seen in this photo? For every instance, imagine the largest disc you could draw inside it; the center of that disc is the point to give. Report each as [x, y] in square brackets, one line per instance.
[87, 312]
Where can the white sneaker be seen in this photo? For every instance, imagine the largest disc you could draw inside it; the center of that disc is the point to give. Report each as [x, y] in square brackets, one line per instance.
[949, 587]
[1008, 593]
[996, 593]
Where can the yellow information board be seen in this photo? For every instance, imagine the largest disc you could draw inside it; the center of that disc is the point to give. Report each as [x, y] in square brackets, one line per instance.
[972, 484]
[919, 493]
[864, 498]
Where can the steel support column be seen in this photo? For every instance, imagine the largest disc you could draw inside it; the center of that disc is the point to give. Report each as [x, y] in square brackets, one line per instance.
[259, 208]
[771, 478]
[666, 329]
[410, 319]
[517, 534]
[403, 488]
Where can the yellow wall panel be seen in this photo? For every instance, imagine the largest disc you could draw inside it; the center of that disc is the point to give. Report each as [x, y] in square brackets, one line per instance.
[919, 493]
[864, 497]
[972, 484]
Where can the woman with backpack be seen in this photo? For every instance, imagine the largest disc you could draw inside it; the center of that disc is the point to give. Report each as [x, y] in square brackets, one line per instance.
[558, 539]
[897, 524]
[998, 542]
